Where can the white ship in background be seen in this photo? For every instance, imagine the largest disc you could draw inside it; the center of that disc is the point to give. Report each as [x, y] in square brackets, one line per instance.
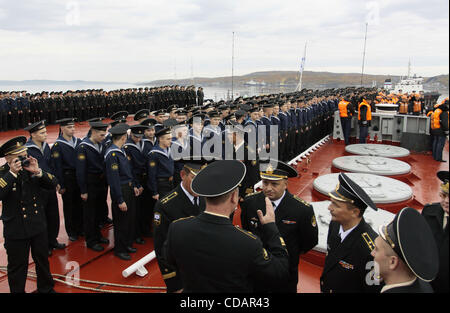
[254, 83]
[409, 84]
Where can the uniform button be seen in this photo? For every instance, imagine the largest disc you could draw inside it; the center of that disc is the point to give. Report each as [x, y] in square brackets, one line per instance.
[36, 212]
[24, 216]
[23, 209]
[35, 205]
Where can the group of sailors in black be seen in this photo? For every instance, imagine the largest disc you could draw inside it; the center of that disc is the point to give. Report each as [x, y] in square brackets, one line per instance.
[18, 109]
[177, 174]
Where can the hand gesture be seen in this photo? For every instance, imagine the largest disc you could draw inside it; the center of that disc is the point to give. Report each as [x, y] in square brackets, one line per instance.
[270, 213]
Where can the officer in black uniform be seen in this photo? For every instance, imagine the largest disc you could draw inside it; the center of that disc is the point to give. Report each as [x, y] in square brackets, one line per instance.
[212, 255]
[90, 169]
[406, 254]
[294, 217]
[181, 202]
[436, 215]
[64, 161]
[23, 216]
[123, 193]
[350, 241]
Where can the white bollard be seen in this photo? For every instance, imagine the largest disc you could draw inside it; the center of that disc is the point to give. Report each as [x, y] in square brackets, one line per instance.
[139, 266]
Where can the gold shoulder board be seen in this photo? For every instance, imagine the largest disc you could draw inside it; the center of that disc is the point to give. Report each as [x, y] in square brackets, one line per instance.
[368, 241]
[169, 197]
[245, 232]
[252, 194]
[183, 218]
[302, 201]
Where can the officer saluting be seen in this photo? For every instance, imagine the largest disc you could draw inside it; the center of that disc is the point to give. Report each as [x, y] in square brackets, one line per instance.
[23, 215]
[406, 254]
[294, 217]
[181, 202]
[215, 255]
[349, 242]
[123, 193]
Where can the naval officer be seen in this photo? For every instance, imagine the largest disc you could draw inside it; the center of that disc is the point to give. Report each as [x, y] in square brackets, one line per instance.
[211, 254]
[179, 203]
[294, 217]
[23, 215]
[350, 242]
[436, 215]
[406, 254]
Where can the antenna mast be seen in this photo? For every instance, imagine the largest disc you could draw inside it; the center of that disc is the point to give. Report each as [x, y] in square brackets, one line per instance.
[232, 70]
[364, 55]
[302, 67]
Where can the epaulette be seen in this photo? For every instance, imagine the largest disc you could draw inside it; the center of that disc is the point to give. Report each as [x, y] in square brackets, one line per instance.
[3, 167]
[169, 197]
[302, 201]
[251, 235]
[252, 194]
[183, 218]
[368, 241]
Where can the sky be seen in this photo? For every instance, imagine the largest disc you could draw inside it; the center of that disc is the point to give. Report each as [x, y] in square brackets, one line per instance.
[144, 40]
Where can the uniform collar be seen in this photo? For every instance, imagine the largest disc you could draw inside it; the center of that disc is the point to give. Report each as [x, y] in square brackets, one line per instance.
[276, 203]
[343, 234]
[408, 283]
[190, 197]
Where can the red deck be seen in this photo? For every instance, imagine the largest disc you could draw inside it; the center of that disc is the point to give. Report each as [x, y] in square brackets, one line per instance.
[104, 267]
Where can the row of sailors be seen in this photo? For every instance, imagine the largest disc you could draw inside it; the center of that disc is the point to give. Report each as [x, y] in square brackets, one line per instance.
[79, 164]
[19, 109]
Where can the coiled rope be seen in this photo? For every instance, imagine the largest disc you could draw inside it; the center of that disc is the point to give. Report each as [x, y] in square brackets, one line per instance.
[33, 275]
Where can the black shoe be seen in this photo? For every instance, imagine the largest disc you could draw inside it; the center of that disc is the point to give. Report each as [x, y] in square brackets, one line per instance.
[58, 246]
[96, 247]
[108, 221]
[140, 241]
[104, 240]
[73, 238]
[123, 256]
[131, 250]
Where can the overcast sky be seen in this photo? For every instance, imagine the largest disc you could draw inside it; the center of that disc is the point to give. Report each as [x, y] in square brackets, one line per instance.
[142, 40]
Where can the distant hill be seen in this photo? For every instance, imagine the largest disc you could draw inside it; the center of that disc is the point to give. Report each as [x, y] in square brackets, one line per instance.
[290, 78]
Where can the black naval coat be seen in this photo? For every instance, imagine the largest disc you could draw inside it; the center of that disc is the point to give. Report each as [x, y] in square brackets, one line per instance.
[434, 215]
[23, 213]
[297, 224]
[419, 286]
[172, 207]
[346, 262]
[212, 255]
